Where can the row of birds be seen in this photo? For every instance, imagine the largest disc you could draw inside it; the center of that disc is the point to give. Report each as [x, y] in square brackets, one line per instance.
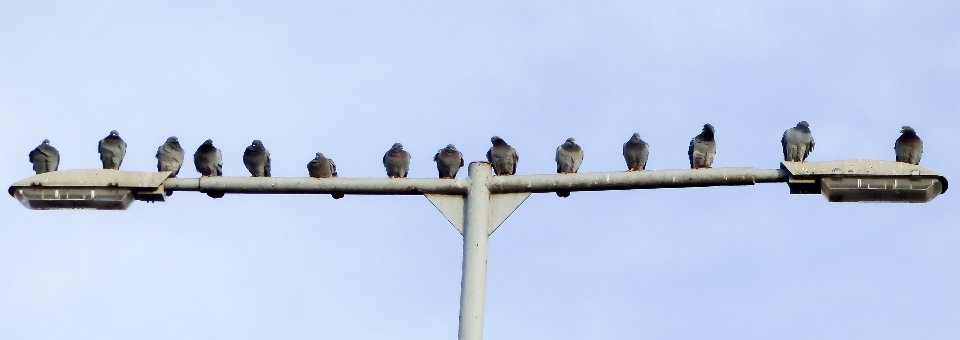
[797, 144]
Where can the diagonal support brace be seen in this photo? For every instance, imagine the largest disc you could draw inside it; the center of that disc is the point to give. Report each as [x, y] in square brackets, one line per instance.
[501, 207]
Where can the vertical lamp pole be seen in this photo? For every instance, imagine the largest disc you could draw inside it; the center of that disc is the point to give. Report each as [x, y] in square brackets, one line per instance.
[475, 237]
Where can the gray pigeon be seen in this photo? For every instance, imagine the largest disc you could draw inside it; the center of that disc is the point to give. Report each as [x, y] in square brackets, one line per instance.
[797, 142]
[397, 161]
[909, 147]
[449, 161]
[635, 152]
[208, 160]
[170, 156]
[569, 156]
[257, 159]
[322, 167]
[45, 158]
[112, 149]
[702, 148]
[209, 163]
[502, 157]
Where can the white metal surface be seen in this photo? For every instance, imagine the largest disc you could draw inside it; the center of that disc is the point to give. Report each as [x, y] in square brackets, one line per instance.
[857, 167]
[623, 180]
[91, 178]
[475, 236]
[502, 206]
[309, 185]
[451, 206]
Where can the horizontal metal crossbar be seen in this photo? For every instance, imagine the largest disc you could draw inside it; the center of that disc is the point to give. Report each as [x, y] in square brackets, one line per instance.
[650, 179]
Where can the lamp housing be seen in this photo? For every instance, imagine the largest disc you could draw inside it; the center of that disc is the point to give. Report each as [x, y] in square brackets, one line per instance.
[105, 189]
[865, 181]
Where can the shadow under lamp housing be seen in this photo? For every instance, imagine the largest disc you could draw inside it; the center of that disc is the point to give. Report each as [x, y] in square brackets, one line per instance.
[89, 189]
[865, 181]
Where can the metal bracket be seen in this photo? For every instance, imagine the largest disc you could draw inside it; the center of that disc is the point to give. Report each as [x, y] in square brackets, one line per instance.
[501, 207]
[451, 206]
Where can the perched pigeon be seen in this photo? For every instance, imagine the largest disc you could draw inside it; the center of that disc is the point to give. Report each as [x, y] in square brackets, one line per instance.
[170, 156]
[209, 163]
[569, 156]
[396, 161]
[322, 167]
[909, 147]
[702, 148]
[208, 160]
[449, 161]
[112, 149]
[257, 159]
[503, 157]
[635, 152]
[45, 158]
[797, 142]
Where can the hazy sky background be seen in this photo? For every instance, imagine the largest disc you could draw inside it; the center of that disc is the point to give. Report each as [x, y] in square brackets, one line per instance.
[349, 79]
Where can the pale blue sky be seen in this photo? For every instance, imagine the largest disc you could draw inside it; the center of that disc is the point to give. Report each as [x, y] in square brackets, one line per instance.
[349, 79]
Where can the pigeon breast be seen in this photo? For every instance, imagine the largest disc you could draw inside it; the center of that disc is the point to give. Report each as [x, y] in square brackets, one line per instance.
[112, 150]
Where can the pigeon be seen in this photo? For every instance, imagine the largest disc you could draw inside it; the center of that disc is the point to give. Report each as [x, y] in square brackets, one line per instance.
[322, 167]
[208, 160]
[503, 157]
[45, 158]
[449, 161]
[909, 147]
[170, 156]
[112, 149]
[257, 159]
[396, 161]
[569, 156]
[797, 143]
[702, 148]
[209, 163]
[635, 152]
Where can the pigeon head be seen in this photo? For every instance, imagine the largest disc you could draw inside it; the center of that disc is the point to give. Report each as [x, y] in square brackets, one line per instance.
[397, 146]
[571, 140]
[497, 140]
[803, 124]
[908, 130]
[208, 142]
[172, 139]
[707, 133]
[114, 133]
[257, 143]
[319, 155]
[451, 147]
[636, 135]
[46, 142]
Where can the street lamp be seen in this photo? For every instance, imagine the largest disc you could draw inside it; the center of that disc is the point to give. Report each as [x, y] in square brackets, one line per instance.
[89, 189]
[477, 205]
[865, 181]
